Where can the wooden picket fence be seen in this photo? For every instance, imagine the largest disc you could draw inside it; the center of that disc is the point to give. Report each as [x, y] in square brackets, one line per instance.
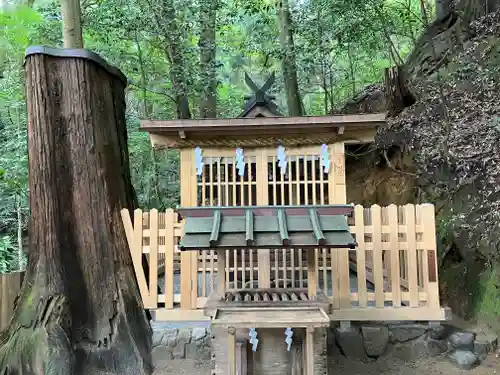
[395, 264]
[10, 285]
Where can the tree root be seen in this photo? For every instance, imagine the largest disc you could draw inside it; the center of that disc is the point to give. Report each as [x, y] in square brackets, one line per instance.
[41, 340]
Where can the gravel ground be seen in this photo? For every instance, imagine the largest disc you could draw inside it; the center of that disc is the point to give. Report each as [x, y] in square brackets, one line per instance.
[385, 366]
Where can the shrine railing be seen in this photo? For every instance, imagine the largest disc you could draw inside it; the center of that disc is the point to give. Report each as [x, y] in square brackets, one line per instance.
[392, 272]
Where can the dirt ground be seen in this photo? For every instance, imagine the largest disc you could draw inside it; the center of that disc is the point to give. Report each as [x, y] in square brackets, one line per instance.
[384, 366]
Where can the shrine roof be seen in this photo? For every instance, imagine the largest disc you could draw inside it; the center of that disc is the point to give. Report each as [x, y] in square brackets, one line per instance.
[266, 227]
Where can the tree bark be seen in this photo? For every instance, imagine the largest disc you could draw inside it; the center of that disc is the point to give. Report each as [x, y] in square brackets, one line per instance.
[288, 63]
[398, 95]
[72, 24]
[175, 54]
[207, 45]
[79, 310]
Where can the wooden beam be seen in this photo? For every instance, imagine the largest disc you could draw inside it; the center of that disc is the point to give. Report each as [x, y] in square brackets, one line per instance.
[231, 345]
[334, 209]
[179, 315]
[250, 138]
[391, 314]
[290, 121]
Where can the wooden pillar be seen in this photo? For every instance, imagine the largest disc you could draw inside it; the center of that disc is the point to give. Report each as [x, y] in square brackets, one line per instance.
[231, 346]
[340, 257]
[263, 256]
[309, 351]
[186, 172]
[241, 358]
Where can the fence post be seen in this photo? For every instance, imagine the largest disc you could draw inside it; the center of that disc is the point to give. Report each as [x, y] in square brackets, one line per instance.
[428, 218]
[411, 243]
[10, 285]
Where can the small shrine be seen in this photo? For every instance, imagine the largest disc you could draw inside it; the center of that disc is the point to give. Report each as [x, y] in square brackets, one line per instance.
[247, 184]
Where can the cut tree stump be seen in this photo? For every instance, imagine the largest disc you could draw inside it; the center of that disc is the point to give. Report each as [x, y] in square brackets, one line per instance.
[79, 310]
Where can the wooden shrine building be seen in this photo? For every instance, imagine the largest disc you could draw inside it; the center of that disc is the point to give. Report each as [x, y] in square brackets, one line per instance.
[264, 218]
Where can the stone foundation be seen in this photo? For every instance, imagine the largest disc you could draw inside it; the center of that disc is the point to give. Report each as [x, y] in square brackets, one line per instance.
[361, 341]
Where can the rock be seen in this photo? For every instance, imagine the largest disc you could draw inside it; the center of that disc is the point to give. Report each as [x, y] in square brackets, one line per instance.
[376, 339]
[437, 332]
[436, 347]
[406, 332]
[485, 342]
[198, 351]
[351, 343]
[179, 352]
[411, 350]
[169, 338]
[463, 359]
[157, 337]
[463, 341]
[160, 353]
[183, 338]
[198, 333]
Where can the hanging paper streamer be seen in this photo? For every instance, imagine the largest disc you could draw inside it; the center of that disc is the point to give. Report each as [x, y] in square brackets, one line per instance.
[198, 159]
[288, 339]
[325, 158]
[253, 339]
[282, 162]
[240, 162]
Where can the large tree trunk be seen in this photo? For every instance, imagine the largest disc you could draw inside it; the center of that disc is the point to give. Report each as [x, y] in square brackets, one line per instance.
[173, 35]
[79, 310]
[288, 63]
[207, 44]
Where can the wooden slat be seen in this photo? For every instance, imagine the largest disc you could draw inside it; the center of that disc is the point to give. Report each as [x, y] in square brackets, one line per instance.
[311, 274]
[170, 220]
[429, 234]
[378, 266]
[136, 254]
[10, 286]
[412, 254]
[392, 211]
[153, 259]
[360, 255]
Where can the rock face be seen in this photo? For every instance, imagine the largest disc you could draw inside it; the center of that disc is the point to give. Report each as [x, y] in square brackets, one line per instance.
[363, 342]
[180, 343]
[376, 339]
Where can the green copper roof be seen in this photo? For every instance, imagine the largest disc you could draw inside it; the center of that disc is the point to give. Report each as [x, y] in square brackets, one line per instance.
[266, 227]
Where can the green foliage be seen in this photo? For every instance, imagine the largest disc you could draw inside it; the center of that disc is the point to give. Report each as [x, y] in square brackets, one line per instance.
[488, 304]
[339, 46]
[7, 254]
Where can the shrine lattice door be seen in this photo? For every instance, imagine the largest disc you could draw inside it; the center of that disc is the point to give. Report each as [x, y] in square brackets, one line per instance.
[262, 181]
